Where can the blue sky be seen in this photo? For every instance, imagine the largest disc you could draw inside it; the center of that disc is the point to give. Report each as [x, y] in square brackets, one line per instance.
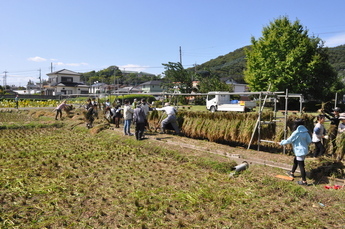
[140, 35]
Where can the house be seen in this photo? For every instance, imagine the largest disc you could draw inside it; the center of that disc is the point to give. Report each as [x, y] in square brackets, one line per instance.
[98, 88]
[65, 82]
[237, 87]
[151, 86]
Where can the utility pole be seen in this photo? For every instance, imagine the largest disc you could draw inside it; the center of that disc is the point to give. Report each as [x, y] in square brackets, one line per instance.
[4, 81]
[180, 56]
[39, 70]
[51, 66]
[114, 79]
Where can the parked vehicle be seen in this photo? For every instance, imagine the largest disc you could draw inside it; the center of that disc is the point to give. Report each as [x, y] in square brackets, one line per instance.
[221, 101]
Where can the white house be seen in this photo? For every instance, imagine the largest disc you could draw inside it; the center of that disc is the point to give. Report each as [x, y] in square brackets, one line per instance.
[98, 88]
[151, 86]
[237, 87]
[65, 82]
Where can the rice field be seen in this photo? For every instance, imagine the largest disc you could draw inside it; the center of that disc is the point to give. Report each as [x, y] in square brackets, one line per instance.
[59, 174]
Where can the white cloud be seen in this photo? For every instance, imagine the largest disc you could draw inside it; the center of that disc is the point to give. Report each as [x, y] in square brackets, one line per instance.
[77, 64]
[133, 67]
[335, 40]
[37, 59]
[70, 64]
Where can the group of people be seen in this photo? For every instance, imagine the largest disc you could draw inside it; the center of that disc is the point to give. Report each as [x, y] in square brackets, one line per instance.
[137, 113]
[320, 135]
[140, 114]
[301, 139]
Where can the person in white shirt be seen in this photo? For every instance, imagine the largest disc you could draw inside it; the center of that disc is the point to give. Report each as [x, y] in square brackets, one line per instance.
[319, 133]
[341, 127]
[171, 119]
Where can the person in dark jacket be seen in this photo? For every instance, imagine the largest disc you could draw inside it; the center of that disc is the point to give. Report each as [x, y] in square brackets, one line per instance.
[139, 119]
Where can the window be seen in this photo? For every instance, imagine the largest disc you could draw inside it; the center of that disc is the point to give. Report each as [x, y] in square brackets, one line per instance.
[67, 79]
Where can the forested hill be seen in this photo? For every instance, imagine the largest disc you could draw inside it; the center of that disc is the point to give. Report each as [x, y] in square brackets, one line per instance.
[233, 63]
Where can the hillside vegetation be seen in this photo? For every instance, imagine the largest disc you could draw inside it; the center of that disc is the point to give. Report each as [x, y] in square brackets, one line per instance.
[233, 63]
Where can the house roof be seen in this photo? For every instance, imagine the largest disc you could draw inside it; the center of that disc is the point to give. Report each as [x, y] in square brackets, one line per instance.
[64, 72]
[128, 89]
[70, 84]
[152, 82]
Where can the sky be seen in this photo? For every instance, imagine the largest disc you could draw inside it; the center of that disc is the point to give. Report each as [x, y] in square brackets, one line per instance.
[40, 36]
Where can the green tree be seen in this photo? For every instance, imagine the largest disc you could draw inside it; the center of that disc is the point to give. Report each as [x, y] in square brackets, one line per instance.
[211, 82]
[177, 76]
[285, 57]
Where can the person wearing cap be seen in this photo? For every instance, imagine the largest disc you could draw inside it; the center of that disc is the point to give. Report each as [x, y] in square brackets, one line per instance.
[333, 129]
[171, 119]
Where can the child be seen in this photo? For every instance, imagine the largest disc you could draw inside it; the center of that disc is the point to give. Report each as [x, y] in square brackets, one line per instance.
[319, 133]
[300, 140]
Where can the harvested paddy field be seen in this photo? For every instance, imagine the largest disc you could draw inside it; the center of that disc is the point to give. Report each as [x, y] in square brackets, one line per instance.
[59, 174]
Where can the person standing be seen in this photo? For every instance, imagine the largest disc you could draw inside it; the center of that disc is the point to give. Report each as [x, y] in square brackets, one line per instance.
[340, 138]
[16, 100]
[139, 119]
[171, 119]
[117, 116]
[127, 116]
[95, 107]
[341, 127]
[59, 109]
[333, 128]
[145, 106]
[135, 103]
[300, 140]
[106, 106]
[319, 133]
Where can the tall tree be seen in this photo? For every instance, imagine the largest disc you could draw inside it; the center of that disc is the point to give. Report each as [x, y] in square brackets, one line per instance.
[285, 57]
[177, 76]
[210, 81]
